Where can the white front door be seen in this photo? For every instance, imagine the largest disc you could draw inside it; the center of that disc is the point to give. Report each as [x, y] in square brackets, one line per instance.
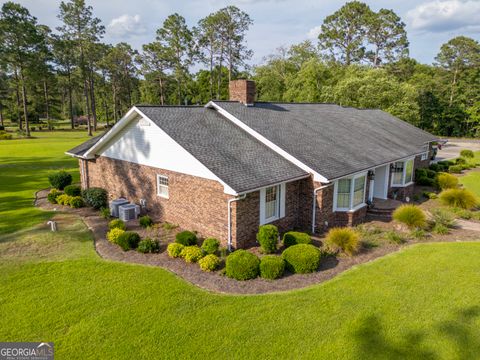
[380, 188]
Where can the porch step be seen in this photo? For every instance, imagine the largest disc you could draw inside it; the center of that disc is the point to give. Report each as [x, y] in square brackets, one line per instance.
[383, 209]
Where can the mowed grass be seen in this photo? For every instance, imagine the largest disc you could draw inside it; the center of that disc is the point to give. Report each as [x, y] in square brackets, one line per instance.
[472, 182]
[420, 303]
[24, 168]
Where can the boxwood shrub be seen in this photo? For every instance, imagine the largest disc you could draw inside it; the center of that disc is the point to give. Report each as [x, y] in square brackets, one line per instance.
[128, 240]
[186, 238]
[145, 221]
[52, 196]
[210, 262]
[455, 169]
[95, 197]
[174, 250]
[148, 245]
[117, 224]
[73, 190]
[294, 237]
[242, 265]
[267, 237]
[113, 235]
[302, 258]
[272, 267]
[76, 202]
[467, 154]
[210, 246]
[60, 180]
[63, 199]
[192, 253]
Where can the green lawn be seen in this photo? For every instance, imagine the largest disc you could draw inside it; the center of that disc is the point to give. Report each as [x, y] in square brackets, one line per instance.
[420, 303]
[472, 182]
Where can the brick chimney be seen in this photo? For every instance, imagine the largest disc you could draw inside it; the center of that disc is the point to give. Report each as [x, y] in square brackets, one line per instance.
[242, 91]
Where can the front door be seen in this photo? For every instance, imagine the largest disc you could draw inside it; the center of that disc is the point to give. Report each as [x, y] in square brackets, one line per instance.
[380, 187]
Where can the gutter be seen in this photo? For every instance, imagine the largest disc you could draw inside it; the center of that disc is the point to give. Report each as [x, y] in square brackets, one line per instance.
[229, 241]
[314, 205]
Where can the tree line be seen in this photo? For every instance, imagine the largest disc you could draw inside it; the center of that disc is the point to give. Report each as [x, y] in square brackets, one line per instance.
[360, 59]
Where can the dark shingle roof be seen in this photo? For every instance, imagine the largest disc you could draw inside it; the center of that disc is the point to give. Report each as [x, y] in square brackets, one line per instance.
[333, 140]
[81, 149]
[238, 159]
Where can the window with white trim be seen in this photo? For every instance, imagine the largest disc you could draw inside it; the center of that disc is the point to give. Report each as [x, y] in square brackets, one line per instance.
[272, 203]
[425, 149]
[350, 193]
[162, 186]
[402, 173]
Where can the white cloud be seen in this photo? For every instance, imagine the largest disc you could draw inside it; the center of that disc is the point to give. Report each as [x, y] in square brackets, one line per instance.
[126, 25]
[442, 16]
[314, 32]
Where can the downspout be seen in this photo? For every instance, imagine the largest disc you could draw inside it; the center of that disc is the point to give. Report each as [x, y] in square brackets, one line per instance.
[241, 197]
[314, 205]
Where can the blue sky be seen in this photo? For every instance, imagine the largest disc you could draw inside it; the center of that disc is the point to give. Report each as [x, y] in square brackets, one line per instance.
[277, 23]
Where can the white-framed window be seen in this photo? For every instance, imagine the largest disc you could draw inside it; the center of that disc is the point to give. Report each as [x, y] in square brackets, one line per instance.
[162, 186]
[350, 193]
[402, 173]
[425, 149]
[272, 203]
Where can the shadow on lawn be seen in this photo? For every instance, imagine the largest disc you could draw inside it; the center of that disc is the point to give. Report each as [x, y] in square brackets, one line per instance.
[457, 332]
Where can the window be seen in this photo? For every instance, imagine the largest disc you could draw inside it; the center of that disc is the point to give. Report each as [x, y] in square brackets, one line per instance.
[162, 186]
[350, 193]
[402, 173]
[272, 203]
[425, 149]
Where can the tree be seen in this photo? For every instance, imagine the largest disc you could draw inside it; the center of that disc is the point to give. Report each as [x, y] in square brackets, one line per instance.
[343, 33]
[154, 65]
[386, 32]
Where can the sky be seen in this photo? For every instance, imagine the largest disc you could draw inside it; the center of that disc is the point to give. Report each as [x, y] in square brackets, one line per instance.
[277, 23]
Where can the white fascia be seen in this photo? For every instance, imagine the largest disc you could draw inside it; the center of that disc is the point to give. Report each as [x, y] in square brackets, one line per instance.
[316, 176]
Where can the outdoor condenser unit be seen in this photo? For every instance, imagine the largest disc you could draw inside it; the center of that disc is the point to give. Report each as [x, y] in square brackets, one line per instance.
[115, 204]
[127, 212]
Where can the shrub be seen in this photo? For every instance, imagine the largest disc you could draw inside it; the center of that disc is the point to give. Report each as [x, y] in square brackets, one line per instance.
[113, 235]
[467, 154]
[443, 217]
[267, 237]
[455, 169]
[186, 238]
[420, 173]
[440, 229]
[117, 224]
[438, 167]
[394, 237]
[73, 190]
[145, 221]
[418, 233]
[410, 215]
[128, 240]
[302, 258]
[95, 197]
[425, 181]
[148, 245]
[174, 250]
[430, 173]
[344, 239]
[210, 245]
[76, 202]
[460, 161]
[53, 195]
[210, 262]
[105, 213]
[5, 136]
[60, 179]
[446, 181]
[271, 267]
[461, 198]
[293, 238]
[192, 253]
[242, 265]
[462, 213]
[430, 195]
[63, 199]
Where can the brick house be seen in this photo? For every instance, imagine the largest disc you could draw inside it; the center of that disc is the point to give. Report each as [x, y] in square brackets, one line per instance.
[227, 167]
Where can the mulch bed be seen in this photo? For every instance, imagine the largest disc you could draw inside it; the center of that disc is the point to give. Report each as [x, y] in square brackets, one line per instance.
[329, 268]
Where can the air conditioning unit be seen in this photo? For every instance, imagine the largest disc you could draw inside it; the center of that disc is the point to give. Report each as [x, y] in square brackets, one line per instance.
[115, 204]
[127, 212]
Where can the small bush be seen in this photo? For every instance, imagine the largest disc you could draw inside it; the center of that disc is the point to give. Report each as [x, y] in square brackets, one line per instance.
[95, 197]
[425, 181]
[294, 237]
[76, 202]
[210, 262]
[460, 198]
[210, 245]
[192, 253]
[117, 224]
[242, 265]
[145, 221]
[420, 173]
[467, 154]
[272, 267]
[443, 217]
[430, 195]
[60, 180]
[105, 213]
[267, 237]
[430, 173]
[63, 199]
[186, 238]
[174, 250]
[440, 229]
[53, 195]
[148, 245]
[302, 258]
[4, 135]
[343, 239]
[410, 215]
[418, 234]
[394, 237]
[113, 235]
[73, 190]
[455, 169]
[460, 161]
[446, 181]
[128, 240]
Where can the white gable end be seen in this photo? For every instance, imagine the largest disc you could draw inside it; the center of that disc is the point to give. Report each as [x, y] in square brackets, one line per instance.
[143, 142]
